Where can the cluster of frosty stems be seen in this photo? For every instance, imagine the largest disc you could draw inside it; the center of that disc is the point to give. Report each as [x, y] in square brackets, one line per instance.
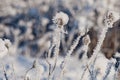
[86, 41]
[109, 19]
[60, 20]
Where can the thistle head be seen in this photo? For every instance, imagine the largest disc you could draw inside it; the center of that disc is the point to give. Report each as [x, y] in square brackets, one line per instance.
[60, 19]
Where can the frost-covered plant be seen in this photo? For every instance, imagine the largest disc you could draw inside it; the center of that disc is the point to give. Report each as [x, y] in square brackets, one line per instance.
[110, 18]
[86, 41]
[60, 19]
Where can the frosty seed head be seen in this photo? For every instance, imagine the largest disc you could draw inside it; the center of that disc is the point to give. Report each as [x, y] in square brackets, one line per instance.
[61, 19]
[110, 18]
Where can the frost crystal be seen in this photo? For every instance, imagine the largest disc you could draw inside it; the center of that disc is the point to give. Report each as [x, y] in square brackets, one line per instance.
[61, 19]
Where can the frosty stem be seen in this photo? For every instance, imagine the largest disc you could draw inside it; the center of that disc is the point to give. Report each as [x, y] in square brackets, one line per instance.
[96, 50]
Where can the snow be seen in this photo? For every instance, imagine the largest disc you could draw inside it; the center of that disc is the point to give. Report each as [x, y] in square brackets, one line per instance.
[73, 70]
[27, 30]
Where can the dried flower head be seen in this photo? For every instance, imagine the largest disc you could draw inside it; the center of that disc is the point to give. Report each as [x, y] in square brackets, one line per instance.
[86, 40]
[110, 18]
[61, 19]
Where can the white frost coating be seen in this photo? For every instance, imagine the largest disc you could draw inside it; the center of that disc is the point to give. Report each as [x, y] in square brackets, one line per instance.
[61, 18]
[4, 45]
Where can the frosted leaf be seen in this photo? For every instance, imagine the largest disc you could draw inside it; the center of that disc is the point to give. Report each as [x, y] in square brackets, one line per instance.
[61, 19]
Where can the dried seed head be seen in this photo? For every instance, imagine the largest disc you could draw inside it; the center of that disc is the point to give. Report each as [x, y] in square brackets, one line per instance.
[86, 40]
[61, 19]
[111, 17]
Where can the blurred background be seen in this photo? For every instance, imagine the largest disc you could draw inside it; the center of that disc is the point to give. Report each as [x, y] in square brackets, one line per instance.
[28, 24]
